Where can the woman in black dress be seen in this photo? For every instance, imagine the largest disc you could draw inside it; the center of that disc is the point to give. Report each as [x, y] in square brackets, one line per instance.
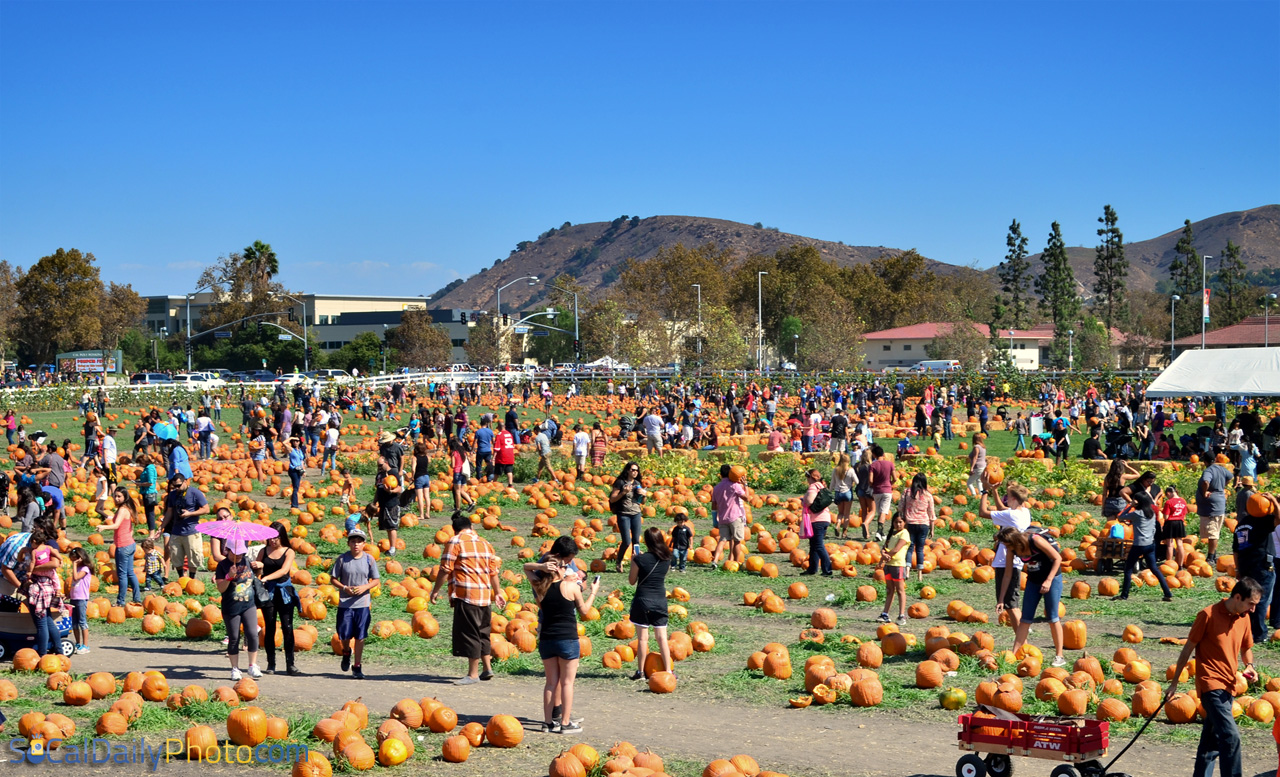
[649, 606]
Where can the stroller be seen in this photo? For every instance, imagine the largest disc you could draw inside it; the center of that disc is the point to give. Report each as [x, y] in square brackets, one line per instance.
[17, 632]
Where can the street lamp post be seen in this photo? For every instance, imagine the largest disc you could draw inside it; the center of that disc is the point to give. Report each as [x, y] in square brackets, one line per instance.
[1266, 320]
[189, 294]
[1013, 358]
[795, 347]
[1071, 350]
[760, 318]
[577, 355]
[1173, 301]
[1204, 301]
[306, 359]
[532, 279]
[698, 286]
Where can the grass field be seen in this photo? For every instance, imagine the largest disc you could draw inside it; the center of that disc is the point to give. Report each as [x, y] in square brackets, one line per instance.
[716, 598]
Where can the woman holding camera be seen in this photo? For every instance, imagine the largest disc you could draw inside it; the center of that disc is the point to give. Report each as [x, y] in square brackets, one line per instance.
[626, 498]
[558, 644]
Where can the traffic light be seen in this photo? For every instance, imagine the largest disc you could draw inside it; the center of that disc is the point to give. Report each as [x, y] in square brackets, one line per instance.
[577, 349]
[506, 320]
[464, 316]
[382, 349]
[291, 314]
[188, 350]
[309, 353]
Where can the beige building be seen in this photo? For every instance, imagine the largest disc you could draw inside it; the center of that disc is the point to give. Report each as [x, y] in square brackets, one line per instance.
[333, 320]
[905, 346]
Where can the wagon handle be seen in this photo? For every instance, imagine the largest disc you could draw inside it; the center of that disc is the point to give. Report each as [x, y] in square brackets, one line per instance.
[1107, 768]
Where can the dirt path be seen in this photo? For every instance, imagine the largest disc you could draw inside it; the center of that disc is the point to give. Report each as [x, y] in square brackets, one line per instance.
[686, 727]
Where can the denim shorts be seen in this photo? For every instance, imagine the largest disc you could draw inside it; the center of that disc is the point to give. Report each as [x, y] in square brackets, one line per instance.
[566, 649]
[80, 613]
[843, 496]
[1031, 599]
[460, 479]
[422, 482]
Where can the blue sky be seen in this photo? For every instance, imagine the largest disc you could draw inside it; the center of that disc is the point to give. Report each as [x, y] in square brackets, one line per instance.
[385, 148]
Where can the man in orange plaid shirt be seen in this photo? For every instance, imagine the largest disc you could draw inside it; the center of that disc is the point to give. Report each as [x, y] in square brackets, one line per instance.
[471, 568]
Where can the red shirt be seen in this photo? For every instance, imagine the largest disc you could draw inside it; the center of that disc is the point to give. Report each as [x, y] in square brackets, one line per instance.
[504, 448]
[1175, 509]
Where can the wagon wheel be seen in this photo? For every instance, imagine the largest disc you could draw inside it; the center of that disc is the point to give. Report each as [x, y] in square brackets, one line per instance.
[1092, 769]
[2, 650]
[1065, 770]
[970, 765]
[67, 647]
[999, 765]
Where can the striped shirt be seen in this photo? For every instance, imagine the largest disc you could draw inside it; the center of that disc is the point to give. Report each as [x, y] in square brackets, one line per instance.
[469, 562]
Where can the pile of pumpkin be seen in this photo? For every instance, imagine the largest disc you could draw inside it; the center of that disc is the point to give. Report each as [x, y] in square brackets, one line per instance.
[625, 760]
[395, 744]
[696, 638]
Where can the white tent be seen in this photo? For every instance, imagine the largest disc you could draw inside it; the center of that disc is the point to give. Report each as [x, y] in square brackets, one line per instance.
[1221, 372]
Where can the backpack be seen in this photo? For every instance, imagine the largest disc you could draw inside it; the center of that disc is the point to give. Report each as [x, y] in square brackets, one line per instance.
[821, 500]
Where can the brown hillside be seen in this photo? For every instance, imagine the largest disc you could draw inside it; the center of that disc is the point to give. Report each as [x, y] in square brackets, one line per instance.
[1256, 231]
[596, 252]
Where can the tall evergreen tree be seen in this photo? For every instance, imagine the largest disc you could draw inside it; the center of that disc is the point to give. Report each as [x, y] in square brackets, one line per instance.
[1059, 297]
[1232, 302]
[1015, 281]
[1186, 274]
[1110, 270]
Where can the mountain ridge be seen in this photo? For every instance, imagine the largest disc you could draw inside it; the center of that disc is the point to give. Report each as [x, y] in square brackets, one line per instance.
[596, 252]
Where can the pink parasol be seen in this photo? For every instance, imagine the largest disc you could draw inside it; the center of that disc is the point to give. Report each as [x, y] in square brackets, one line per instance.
[235, 532]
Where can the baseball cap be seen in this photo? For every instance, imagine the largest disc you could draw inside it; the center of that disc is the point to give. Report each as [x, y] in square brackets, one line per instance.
[356, 534]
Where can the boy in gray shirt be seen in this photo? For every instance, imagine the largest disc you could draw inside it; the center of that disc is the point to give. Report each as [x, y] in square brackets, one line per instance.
[355, 574]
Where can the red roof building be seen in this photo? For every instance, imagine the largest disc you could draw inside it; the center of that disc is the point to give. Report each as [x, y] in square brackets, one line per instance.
[904, 346]
[1253, 332]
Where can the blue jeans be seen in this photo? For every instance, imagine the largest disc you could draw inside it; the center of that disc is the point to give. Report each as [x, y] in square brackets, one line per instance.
[1021, 443]
[1219, 739]
[295, 477]
[313, 438]
[47, 639]
[330, 460]
[126, 577]
[206, 444]
[806, 443]
[919, 533]
[1148, 554]
[946, 430]
[1032, 596]
[629, 528]
[818, 549]
[1258, 620]
[680, 557]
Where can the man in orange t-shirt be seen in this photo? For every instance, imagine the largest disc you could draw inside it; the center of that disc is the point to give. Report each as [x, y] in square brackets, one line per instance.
[1219, 637]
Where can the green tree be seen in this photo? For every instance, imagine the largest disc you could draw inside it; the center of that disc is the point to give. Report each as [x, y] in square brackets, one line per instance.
[1059, 294]
[362, 353]
[482, 342]
[831, 334]
[121, 311]
[420, 342]
[243, 285]
[723, 347]
[8, 312]
[1092, 349]
[1015, 281]
[962, 341]
[61, 295]
[607, 332]
[1186, 274]
[901, 285]
[659, 292]
[557, 345]
[1231, 301]
[1110, 270]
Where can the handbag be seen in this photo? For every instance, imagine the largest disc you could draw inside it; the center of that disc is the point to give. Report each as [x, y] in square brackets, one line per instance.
[806, 525]
[261, 595]
[821, 500]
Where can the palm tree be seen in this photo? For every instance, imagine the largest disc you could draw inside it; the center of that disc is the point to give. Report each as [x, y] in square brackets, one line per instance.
[262, 260]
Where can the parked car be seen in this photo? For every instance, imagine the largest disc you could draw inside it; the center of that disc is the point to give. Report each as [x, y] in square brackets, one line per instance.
[149, 379]
[337, 376]
[199, 380]
[254, 376]
[936, 365]
[292, 378]
[220, 372]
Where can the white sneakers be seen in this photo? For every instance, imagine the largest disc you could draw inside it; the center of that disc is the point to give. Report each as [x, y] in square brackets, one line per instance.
[235, 675]
[254, 672]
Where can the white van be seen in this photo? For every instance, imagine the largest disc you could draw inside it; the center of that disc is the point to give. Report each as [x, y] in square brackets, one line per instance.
[937, 365]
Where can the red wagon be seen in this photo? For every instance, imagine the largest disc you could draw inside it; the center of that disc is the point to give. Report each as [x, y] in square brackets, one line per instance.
[1077, 742]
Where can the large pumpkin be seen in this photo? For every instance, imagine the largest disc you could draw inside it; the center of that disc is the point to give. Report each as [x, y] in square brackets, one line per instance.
[247, 726]
[1112, 709]
[662, 682]
[201, 743]
[155, 688]
[929, 674]
[393, 751]
[1145, 702]
[442, 720]
[111, 723]
[1073, 703]
[26, 660]
[408, 712]
[867, 693]
[823, 618]
[504, 731]
[567, 764]
[77, 694]
[314, 765]
[1074, 635]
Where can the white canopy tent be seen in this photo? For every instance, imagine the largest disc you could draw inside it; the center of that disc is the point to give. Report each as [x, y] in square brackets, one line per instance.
[1221, 372]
